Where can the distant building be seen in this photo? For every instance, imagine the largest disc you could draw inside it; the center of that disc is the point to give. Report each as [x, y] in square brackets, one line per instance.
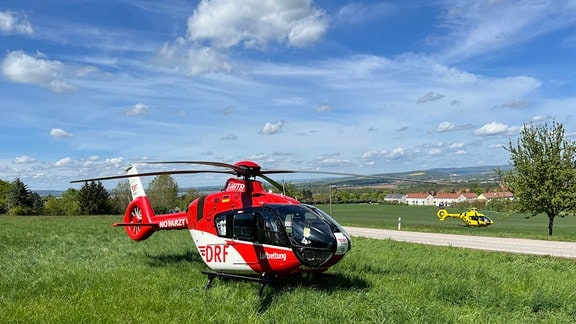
[395, 198]
[446, 198]
[488, 196]
[419, 199]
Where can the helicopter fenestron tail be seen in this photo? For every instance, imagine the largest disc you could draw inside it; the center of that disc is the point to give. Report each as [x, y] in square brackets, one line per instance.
[140, 221]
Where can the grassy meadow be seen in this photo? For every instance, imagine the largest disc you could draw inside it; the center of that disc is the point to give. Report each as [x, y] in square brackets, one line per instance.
[424, 219]
[80, 269]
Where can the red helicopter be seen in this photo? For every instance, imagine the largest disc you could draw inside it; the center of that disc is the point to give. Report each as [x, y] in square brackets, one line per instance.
[243, 231]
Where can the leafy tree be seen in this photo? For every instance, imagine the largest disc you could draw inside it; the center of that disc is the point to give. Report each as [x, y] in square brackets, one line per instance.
[70, 202]
[67, 204]
[120, 197]
[163, 193]
[4, 190]
[307, 196]
[53, 206]
[543, 179]
[289, 189]
[94, 199]
[188, 197]
[36, 203]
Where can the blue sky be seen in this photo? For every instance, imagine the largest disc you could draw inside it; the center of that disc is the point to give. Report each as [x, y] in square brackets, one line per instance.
[87, 87]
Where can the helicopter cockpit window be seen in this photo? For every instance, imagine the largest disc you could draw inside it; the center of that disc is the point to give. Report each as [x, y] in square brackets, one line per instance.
[269, 228]
[260, 225]
[224, 225]
[304, 227]
[244, 227]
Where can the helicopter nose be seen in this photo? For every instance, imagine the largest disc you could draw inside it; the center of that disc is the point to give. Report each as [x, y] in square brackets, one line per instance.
[342, 244]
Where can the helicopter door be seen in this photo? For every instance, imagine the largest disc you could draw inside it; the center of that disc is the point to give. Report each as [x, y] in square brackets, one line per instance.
[244, 227]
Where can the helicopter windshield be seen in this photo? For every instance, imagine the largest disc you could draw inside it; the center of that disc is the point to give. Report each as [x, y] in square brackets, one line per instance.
[305, 227]
[331, 220]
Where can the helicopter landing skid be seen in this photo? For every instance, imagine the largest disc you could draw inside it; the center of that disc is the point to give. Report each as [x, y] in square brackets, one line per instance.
[262, 280]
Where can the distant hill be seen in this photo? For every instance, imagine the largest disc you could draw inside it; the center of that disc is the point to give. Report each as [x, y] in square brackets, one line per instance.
[463, 174]
[473, 173]
[55, 193]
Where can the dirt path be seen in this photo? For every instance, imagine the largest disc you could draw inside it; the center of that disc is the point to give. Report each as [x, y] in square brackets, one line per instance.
[524, 246]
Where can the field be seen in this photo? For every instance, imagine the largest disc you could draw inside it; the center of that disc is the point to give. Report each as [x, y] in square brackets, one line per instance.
[80, 269]
[423, 219]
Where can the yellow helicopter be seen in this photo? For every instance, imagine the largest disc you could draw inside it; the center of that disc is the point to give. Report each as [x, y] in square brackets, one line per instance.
[472, 217]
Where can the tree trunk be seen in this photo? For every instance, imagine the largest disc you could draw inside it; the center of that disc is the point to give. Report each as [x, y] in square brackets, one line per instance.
[550, 223]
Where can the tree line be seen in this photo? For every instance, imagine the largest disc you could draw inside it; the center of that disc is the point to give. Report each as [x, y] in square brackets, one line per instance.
[91, 199]
[542, 178]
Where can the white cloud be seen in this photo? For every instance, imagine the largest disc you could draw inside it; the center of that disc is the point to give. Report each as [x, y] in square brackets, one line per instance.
[323, 108]
[361, 13]
[255, 23]
[272, 128]
[59, 133]
[479, 27]
[434, 151]
[12, 22]
[541, 118]
[137, 109]
[191, 60]
[23, 68]
[396, 153]
[445, 126]
[116, 162]
[24, 159]
[63, 162]
[495, 128]
[219, 25]
[39, 175]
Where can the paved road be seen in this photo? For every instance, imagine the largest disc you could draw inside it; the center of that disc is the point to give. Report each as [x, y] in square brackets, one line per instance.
[524, 246]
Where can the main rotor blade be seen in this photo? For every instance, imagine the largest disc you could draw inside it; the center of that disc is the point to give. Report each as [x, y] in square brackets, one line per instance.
[313, 171]
[145, 174]
[354, 175]
[273, 182]
[239, 170]
[245, 172]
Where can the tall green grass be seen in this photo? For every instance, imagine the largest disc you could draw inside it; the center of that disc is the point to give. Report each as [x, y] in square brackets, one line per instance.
[80, 269]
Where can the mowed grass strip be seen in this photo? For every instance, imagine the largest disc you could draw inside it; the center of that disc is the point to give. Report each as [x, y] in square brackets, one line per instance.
[80, 269]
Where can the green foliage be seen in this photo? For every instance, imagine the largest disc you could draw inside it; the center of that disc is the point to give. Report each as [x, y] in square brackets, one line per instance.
[163, 193]
[67, 204]
[22, 201]
[5, 188]
[544, 177]
[82, 270]
[188, 197]
[120, 197]
[93, 199]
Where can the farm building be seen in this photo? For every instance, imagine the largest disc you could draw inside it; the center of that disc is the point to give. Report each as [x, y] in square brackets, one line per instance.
[444, 198]
[487, 196]
[395, 198]
[419, 199]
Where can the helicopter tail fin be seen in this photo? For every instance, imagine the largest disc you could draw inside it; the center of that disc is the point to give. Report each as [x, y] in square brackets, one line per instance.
[135, 183]
[140, 221]
[139, 214]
